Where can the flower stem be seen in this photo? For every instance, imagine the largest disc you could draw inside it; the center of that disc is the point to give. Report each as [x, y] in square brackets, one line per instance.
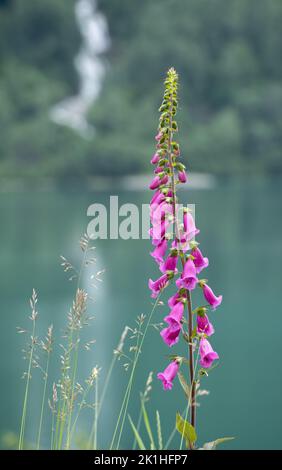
[184, 412]
[190, 399]
[188, 294]
[191, 360]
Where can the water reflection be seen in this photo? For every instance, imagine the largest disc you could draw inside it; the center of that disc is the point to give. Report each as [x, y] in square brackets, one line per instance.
[241, 233]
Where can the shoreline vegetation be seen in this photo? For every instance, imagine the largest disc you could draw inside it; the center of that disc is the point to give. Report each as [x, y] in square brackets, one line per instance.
[100, 183]
[197, 181]
[231, 89]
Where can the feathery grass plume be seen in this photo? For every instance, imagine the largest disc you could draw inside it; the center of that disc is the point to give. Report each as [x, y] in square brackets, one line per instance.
[29, 354]
[174, 243]
[91, 381]
[78, 318]
[66, 392]
[69, 397]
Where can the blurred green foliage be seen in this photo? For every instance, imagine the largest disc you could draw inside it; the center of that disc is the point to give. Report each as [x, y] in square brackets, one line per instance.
[228, 55]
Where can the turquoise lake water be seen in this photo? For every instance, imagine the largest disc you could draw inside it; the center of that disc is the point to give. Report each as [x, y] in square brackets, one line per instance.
[241, 233]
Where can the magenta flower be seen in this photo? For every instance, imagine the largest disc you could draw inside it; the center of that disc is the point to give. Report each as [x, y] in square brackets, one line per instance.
[211, 298]
[164, 179]
[172, 242]
[158, 181]
[180, 244]
[199, 261]
[176, 313]
[158, 231]
[159, 251]
[155, 158]
[158, 198]
[175, 299]
[207, 354]
[189, 226]
[182, 176]
[204, 325]
[158, 285]
[188, 279]
[155, 183]
[170, 334]
[158, 170]
[160, 211]
[169, 264]
[155, 197]
[168, 375]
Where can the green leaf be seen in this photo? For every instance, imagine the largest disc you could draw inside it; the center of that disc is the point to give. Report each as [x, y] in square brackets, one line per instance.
[194, 333]
[159, 430]
[212, 445]
[184, 385]
[137, 435]
[186, 430]
[147, 425]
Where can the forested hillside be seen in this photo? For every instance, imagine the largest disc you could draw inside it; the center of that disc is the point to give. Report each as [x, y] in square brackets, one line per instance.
[228, 55]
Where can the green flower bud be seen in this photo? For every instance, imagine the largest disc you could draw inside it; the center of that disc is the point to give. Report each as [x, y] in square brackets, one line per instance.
[201, 311]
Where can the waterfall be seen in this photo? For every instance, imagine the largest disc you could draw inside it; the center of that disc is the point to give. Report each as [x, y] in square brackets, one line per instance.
[72, 111]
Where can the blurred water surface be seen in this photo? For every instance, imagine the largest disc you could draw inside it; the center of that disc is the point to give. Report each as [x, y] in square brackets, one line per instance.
[241, 232]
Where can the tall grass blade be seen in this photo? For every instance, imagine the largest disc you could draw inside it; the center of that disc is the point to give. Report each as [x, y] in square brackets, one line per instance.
[137, 435]
[148, 426]
[159, 430]
[124, 407]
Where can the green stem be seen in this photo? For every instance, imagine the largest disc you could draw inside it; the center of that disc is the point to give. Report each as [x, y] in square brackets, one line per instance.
[96, 411]
[129, 386]
[108, 377]
[190, 397]
[72, 392]
[127, 392]
[43, 400]
[75, 356]
[52, 430]
[55, 439]
[125, 410]
[107, 383]
[191, 360]
[138, 426]
[79, 410]
[62, 419]
[22, 430]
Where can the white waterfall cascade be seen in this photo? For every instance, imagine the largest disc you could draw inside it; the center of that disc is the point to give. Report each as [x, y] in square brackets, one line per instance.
[72, 111]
